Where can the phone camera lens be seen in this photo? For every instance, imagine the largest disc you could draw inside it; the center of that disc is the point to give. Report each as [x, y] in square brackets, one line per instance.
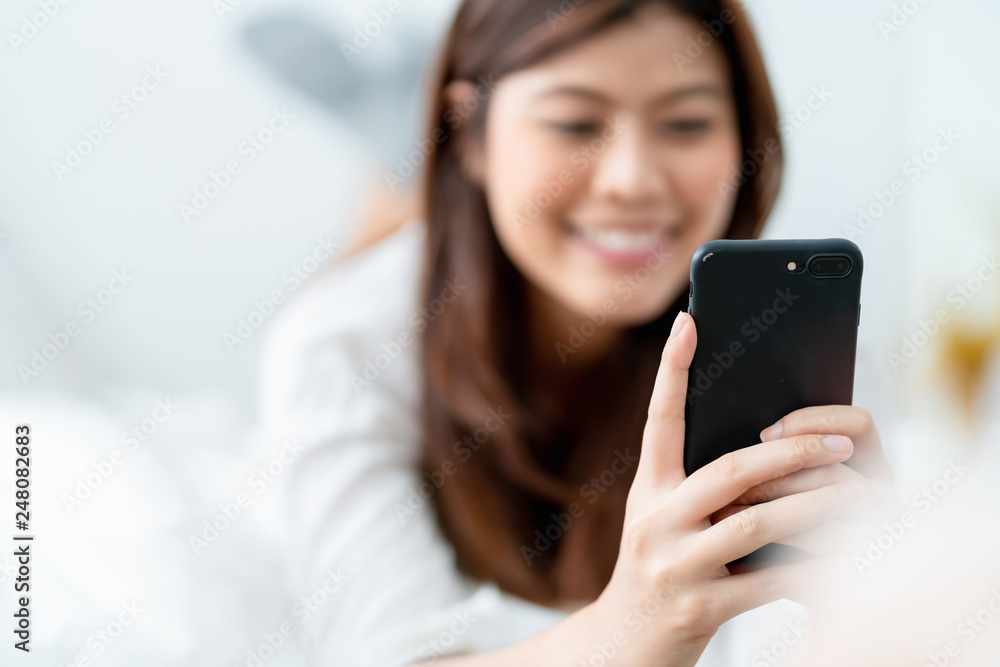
[830, 267]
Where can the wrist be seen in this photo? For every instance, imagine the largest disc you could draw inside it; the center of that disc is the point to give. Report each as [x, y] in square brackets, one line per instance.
[645, 633]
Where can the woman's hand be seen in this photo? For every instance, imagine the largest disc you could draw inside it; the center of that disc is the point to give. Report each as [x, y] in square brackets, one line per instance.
[867, 466]
[671, 590]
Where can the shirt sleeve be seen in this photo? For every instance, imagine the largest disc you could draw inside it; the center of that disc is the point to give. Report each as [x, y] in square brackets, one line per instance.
[371, 578]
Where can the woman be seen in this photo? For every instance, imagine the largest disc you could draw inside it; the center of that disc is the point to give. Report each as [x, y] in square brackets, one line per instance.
[472, 392]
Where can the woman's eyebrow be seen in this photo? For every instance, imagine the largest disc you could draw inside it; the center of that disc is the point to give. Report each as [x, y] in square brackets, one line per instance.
[676, 95]
[696, 90]
[571, 91]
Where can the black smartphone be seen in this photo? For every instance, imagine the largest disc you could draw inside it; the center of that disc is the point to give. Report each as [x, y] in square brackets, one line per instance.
[777, 325]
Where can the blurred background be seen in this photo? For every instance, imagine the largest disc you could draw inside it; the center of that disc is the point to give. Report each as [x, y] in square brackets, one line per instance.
[173, 172]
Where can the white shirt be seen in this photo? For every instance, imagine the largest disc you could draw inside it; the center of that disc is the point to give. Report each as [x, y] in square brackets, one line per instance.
[381, 579]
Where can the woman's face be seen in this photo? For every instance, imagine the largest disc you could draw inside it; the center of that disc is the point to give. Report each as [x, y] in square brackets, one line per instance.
[606, 166]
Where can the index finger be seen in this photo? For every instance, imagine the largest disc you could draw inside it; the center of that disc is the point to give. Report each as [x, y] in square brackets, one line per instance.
[854, 422]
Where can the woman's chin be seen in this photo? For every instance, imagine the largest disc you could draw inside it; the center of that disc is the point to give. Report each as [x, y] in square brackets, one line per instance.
[615, 312]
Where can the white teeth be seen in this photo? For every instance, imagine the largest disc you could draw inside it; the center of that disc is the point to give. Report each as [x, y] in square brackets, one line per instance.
[622, 240]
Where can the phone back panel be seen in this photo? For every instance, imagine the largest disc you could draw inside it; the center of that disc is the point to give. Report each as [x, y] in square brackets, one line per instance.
[770, 341]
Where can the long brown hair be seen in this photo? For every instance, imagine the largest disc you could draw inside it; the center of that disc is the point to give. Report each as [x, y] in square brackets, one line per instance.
[499, 483]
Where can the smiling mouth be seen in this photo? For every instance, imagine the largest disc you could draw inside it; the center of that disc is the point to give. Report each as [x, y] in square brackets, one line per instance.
[625, 239]
[626, 243]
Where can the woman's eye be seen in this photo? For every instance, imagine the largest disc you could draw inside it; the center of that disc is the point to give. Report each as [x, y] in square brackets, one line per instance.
[574, 128]
[688, 127]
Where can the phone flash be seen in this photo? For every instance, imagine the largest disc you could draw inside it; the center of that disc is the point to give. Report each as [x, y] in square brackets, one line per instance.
[791, 266]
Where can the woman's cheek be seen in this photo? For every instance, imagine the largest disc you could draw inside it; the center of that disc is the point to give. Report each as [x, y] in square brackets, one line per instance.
[526, 184]
[524, 210]
[710, 188]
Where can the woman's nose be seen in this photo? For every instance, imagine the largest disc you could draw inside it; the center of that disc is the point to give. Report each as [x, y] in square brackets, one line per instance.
[626, 170]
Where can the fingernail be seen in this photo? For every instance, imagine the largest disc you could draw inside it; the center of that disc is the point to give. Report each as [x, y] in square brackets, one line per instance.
[772, 432]
[853, 492]
[837, 443]
[678, 325]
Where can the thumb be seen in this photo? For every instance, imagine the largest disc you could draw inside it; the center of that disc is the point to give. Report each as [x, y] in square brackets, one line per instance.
[662, 456]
